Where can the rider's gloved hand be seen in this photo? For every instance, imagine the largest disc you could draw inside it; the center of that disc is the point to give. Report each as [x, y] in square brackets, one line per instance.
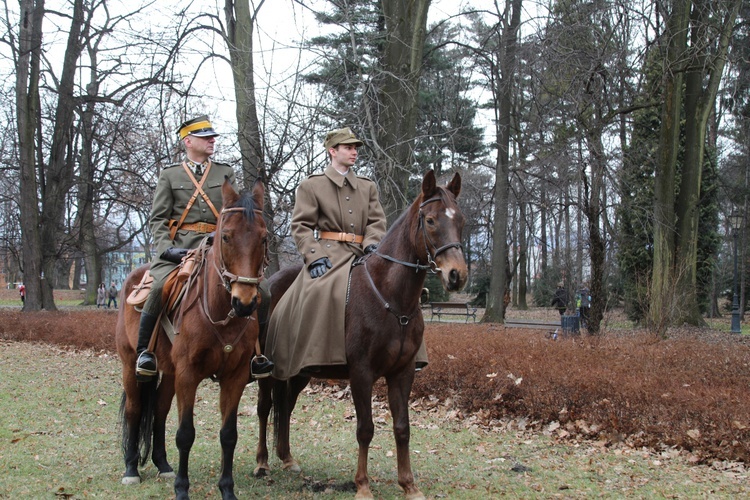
[174, 254]
[371, 248]
[319, 267]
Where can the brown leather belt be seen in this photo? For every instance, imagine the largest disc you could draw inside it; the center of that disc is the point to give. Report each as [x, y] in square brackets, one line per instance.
[198, 227]
[345, 237]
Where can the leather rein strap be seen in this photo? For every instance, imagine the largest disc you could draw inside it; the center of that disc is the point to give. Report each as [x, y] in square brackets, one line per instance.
[175, 226]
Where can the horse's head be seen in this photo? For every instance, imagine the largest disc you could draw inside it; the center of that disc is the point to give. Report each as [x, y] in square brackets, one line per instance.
[240, 246]
[441, 225]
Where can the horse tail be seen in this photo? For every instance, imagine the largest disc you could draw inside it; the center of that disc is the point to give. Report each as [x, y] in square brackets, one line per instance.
[145, 428]
[281, 407]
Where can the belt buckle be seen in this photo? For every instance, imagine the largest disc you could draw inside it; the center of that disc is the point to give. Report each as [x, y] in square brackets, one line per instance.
[202, 227]
[354, 237]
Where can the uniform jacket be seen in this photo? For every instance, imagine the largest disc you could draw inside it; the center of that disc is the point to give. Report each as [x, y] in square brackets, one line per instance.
[173, 191]
[307, 326]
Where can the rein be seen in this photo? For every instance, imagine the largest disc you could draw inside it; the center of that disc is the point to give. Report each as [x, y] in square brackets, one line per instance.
[431, 266]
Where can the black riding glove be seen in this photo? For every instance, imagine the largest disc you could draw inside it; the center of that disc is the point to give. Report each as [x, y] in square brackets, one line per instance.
[320, 267]
[371, 248]
[174, 254]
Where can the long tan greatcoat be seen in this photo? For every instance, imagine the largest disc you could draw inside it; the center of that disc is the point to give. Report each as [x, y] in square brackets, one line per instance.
[307, 326]
[173, 192]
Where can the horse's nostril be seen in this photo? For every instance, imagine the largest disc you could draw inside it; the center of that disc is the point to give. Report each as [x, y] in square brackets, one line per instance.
[454, 276]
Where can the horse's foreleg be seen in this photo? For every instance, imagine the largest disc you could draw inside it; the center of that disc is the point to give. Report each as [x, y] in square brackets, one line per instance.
[399, 389]
[264, 409]
[362, 396]
[229, 401]
[164, 397]
[185, 434]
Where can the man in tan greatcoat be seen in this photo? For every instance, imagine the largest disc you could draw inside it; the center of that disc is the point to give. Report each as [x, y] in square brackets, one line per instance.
[337, 217]
[179, 224]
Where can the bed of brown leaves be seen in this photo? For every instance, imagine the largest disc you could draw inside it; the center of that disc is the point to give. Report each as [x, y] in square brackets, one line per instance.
[691, 391]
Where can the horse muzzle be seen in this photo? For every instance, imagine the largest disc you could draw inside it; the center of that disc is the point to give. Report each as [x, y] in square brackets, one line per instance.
[244, 310]
[453, 271]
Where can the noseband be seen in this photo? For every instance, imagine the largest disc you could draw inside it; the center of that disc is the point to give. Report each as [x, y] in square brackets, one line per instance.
[229, 278]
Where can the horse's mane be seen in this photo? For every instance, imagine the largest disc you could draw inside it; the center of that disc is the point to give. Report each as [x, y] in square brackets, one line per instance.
[248, 205]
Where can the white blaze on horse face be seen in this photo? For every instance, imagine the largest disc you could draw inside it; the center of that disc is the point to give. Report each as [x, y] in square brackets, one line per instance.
[449, 212]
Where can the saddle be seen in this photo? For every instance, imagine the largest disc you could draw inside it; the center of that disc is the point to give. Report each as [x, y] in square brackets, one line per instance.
[176, 285]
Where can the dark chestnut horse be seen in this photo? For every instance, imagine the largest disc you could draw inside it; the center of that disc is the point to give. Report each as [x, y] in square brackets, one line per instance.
[216, 339]
[384, 327]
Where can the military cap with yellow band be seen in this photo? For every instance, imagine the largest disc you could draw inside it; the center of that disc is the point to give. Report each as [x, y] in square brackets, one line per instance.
[197, 127]
[340, 136]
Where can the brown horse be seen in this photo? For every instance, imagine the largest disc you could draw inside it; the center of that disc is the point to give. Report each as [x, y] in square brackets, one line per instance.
[384, 327]
[218, 332]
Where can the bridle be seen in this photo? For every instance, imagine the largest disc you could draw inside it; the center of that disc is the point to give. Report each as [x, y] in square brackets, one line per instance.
[426, 238]
[431, 265]
[227, 278]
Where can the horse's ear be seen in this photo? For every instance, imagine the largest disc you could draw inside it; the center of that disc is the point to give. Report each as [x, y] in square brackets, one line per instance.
[454, 186]
[259, 191]
[429, 186]
[229, 196]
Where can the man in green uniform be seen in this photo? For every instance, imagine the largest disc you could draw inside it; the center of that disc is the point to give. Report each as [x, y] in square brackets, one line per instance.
[185, 209]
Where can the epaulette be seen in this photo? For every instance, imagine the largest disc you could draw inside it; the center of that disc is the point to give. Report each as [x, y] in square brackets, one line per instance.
[318, 174]
[172, 165]
[363, 177]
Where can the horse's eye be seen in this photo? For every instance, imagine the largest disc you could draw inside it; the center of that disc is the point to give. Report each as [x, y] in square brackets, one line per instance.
[224, 238]
[430, 221]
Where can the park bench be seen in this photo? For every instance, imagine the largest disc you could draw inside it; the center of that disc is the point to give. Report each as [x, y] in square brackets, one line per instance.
[464, 309]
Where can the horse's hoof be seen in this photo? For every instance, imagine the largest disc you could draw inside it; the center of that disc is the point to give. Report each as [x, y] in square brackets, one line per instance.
[127, 480]
[166, 475]
[261, 471]
[292, 467]
[364, 495]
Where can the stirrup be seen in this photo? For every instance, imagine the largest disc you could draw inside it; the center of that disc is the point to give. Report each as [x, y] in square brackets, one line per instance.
[261, 367]
[146, 372]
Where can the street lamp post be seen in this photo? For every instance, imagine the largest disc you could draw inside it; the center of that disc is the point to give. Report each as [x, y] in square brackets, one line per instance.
[735, 220]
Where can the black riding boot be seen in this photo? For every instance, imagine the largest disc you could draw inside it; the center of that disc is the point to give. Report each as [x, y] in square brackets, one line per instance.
[261, 367]
[145, 366]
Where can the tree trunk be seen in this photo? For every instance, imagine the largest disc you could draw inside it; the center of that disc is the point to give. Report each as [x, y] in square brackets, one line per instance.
[239, 39]
[504, 77]
[86, 190]
[594, 213]
[522, 256]
[405, 31]
[27, 109]
[662, 278]
[698, 104]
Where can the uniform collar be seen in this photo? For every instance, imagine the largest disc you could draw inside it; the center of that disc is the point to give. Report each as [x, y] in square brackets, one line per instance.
[339, 179]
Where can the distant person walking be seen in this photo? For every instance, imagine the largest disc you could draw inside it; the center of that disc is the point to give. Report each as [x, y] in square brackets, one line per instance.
[112, 295]
[22, 291]
[560, 300]
[101, 296]
[583, 303]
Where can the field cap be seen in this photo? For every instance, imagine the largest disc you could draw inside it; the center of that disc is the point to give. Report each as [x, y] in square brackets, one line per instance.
[198, 127]
[340, 136]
